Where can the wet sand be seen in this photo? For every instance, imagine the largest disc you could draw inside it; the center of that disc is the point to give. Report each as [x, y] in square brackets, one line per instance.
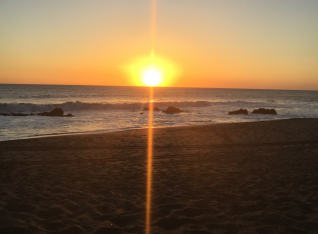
[259, 177]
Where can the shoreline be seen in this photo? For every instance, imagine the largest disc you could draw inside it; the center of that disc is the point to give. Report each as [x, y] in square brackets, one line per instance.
[123, 130]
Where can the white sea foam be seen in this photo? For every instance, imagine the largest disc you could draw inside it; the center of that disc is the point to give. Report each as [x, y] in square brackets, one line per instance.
[72, 106]
[78, 105]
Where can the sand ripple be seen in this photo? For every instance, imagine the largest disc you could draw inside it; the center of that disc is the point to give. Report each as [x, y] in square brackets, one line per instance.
[51, 185]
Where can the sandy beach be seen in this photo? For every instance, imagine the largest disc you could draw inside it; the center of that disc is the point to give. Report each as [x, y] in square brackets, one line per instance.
[257, 177]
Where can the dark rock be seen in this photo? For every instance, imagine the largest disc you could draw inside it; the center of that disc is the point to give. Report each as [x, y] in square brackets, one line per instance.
[265, 111]
[172, 110]
[141, 113]
[43, 114]
[18, 114]
[239, 112]
[55, 112]
[154, 109]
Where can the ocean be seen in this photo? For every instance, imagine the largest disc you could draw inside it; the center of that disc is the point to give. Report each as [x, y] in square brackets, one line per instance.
[109, 108]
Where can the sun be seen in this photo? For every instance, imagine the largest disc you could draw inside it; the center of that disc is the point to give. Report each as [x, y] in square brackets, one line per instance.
[152, 77]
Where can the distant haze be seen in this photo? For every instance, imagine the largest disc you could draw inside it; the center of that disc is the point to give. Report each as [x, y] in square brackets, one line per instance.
[258, 44]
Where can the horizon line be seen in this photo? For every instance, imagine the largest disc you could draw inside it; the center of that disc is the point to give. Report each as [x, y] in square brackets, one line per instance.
[163, 87]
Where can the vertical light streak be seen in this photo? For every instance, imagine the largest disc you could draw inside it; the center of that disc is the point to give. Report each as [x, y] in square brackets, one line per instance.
[149, 163]
[150, 130]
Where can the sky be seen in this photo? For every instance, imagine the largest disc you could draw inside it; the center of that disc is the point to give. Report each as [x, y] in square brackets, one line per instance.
[253, 44]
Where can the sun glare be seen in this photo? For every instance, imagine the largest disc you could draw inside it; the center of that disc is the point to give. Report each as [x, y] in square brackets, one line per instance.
[152, 77]
[141, 69]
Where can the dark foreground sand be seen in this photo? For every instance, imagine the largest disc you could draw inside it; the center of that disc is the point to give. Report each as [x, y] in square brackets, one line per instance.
[257, 177]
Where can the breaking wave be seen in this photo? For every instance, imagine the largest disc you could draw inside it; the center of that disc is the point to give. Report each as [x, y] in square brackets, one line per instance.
[75, 106]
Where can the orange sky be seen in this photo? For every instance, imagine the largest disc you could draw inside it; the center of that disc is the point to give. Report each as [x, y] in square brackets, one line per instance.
[205, 43]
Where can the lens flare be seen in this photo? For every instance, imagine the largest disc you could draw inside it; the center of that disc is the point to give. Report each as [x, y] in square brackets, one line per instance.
[152, 77]
[149, 163]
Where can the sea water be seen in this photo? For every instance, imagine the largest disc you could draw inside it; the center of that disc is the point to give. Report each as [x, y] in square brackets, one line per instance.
[108, 109]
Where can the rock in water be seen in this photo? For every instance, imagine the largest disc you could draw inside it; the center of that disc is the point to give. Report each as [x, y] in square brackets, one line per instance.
[56, 112]
[154, 109]
[43, 114]
[172, 110]
[18, 114]
[239, 112]
[265, 111]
